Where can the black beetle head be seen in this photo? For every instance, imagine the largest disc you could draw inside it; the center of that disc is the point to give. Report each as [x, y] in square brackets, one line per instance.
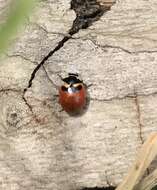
[72, 79]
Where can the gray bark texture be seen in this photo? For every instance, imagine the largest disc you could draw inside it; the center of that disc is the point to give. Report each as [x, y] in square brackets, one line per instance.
[42, 148]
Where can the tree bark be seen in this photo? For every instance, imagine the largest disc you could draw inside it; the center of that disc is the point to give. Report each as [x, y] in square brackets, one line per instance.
[44, 148]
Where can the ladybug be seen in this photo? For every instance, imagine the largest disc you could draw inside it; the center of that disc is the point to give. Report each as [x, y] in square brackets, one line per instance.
[72, 94]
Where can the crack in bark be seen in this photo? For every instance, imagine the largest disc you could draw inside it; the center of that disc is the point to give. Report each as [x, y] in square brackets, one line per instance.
[139, 118]
[30, 108]
[111, 99]
[48, 32]
[128, 51]
[131, 95]
[10, 90]
[107, 180]
[87, 12]
[56, 87]
[28, 105]
[22, 57]
[140, 123]
[120, 48]
[5, 90]
[60, 44]
[100, 188]
[17, 91]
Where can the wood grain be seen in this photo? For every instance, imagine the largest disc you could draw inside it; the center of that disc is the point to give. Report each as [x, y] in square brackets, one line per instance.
[44, 148]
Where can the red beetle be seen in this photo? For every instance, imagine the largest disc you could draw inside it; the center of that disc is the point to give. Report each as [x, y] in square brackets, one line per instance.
[72, 94]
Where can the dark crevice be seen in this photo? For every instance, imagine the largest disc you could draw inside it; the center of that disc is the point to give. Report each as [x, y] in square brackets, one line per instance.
[60, 44]
[8, 90]
[5, 90]
[123, 49]
[28, 105]
[30, 109]
[139, 118]
[154, 188]
[100, 188]
[87, 12]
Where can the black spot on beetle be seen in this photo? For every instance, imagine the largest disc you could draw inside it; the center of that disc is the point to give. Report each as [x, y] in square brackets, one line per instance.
[79, 87]
[64, 88]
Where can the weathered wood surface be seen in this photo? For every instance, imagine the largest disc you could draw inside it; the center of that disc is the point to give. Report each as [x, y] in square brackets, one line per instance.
[49, 149]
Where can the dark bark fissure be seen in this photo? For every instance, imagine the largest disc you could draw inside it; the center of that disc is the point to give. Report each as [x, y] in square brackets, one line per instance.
[100, 188]
[87, 12]
[154, 188]
[139, 118]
